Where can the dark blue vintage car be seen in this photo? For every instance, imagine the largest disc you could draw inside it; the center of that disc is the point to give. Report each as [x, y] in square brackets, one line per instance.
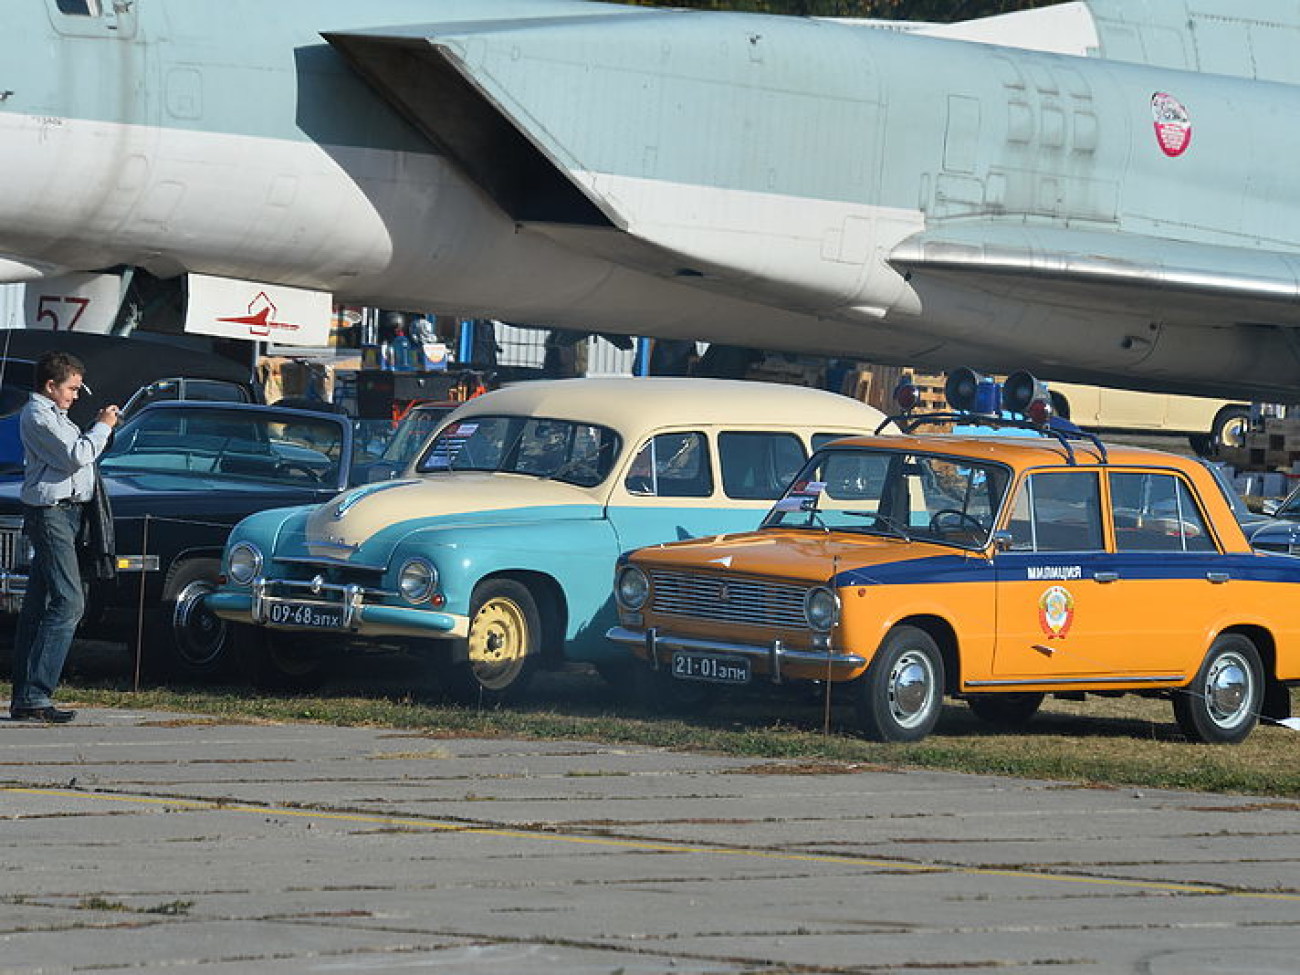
[179, 475]
[129, 372]
[1279, 529]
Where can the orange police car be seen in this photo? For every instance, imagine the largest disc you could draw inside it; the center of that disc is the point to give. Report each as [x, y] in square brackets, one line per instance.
[993, 568]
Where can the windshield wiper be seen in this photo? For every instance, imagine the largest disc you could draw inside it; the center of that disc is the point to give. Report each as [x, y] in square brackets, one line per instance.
[893, 526]
[814, 521]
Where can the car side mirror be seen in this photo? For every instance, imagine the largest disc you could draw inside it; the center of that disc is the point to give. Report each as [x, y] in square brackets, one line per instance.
[1270, 507]
[1003, 541]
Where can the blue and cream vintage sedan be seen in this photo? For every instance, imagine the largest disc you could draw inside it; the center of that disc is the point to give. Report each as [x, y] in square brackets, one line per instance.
[493, 554]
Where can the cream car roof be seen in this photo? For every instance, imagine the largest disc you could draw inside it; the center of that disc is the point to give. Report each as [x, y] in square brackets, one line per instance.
[633, 404]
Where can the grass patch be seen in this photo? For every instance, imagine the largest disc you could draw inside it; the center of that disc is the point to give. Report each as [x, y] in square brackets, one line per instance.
[169, 909]
[100, 904]
[1120, 742]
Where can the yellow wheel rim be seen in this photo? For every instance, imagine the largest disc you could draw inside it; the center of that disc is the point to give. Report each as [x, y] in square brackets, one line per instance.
[498, 643]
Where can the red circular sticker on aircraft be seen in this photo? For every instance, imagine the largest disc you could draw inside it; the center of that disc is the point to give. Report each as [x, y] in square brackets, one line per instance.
[1173, 124]
[1056, 611]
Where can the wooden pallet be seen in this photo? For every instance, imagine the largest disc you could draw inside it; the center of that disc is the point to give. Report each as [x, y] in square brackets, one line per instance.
[875, 386]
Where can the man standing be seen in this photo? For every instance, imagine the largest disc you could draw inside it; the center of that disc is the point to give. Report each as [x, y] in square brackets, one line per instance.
[59, 478]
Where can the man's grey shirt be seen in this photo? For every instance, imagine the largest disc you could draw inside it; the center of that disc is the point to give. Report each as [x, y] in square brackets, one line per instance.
[60, 462]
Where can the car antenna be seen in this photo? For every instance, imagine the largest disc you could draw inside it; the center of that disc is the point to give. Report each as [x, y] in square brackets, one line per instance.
[826, 702]
[4, 360]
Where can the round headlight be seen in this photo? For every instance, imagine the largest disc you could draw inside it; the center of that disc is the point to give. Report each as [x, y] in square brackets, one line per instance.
[417, 580]
[632, 587]
[821, 607]
[245, 563]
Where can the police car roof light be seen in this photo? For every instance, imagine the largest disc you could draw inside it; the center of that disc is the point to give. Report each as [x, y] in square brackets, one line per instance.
[1021, 391]
[961, 389]
[1039, 411]
[971, 394]
[907, 394]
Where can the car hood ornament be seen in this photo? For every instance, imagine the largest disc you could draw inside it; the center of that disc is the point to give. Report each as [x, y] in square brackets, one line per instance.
[341, 506]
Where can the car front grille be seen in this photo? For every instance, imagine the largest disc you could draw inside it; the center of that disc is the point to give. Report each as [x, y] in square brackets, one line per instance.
[15, 551]
[15, 562]
[727, 600]
[335, 573]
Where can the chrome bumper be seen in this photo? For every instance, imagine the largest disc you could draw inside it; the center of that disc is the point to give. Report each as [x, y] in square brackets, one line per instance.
[775, 654]
[360, 618]
[13, 586]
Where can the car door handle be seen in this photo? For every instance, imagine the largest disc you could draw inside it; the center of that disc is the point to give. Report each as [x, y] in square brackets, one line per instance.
[1105, 576]
[1217, 577]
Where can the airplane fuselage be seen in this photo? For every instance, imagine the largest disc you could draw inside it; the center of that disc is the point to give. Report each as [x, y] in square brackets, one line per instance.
[775, 182]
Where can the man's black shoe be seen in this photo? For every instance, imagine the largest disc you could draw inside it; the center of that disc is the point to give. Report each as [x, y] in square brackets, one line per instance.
[49, 714]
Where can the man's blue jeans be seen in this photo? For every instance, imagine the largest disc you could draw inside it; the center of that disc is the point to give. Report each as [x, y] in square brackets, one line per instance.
[52, 606]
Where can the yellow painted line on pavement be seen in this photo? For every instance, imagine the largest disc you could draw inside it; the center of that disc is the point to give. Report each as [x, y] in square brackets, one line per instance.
[652, 846]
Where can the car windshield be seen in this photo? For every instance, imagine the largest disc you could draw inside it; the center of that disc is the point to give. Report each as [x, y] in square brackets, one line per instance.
[412, 432]
[566, 450]
[254, 446]
[1290, 506]
[1235, 501]
[912, 496]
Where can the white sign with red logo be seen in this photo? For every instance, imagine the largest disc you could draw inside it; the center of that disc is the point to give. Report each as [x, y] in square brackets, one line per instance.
[234, 309]
[1173, 124]
[74, 302]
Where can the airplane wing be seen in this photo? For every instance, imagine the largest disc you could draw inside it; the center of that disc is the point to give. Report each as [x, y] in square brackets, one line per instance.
[460, 85]
[1170, 280]
[442, 79]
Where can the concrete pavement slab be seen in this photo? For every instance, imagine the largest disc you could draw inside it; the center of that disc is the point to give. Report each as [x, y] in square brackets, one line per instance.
[137, 840]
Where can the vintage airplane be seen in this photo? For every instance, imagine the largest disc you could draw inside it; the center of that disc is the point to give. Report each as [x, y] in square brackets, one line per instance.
[1098, 191]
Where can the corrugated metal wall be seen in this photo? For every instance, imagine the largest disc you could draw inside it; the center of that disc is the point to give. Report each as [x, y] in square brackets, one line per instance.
[11, 306]
[606, 359]
[522, 346]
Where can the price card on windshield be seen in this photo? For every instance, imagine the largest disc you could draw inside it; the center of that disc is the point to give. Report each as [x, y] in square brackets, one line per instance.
[802, 496]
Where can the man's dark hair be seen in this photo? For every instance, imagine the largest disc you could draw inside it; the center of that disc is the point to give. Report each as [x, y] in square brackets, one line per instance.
[58, 367]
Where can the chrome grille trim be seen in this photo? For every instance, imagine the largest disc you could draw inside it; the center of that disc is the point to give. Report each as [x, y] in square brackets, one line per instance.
[327, 564]
[14, 548]
[728, 600]
[15, 560]
[309, 590]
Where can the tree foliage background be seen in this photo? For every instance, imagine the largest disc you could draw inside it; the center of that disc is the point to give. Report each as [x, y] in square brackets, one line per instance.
[935, 10]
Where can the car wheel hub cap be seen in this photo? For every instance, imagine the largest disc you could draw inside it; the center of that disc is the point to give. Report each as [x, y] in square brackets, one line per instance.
[498, 643]
[1227, 690]
[199, 636]
[911, 686]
